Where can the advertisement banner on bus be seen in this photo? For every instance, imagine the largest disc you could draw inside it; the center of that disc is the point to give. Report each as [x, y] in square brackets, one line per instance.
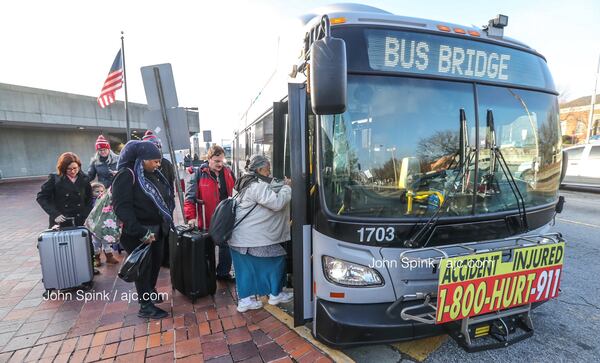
[482, 283]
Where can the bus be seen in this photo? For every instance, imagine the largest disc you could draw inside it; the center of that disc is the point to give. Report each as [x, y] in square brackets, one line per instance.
[425, 160]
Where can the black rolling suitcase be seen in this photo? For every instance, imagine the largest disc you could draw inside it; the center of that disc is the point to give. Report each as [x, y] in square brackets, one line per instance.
[166, 260]
[192, 259]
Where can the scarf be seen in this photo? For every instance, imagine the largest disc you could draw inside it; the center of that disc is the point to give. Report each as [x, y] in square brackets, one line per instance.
[132, 156]
[248, 178]
[165, 210]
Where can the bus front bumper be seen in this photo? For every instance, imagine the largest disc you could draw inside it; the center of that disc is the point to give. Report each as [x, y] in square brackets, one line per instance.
[346, 325]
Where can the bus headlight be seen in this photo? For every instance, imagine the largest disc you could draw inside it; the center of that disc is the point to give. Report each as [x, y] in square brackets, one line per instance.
[350, 274]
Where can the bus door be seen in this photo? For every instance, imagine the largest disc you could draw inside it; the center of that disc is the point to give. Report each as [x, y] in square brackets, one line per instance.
[280, 167]
[301, 229]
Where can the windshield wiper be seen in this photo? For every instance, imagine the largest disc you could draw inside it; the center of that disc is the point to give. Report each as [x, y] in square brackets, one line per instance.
[465, 154]
[497, 156]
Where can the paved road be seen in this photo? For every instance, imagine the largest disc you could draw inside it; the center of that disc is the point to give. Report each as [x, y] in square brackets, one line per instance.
[566, 329]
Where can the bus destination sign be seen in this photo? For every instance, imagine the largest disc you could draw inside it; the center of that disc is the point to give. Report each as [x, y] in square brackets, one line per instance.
[398, 51]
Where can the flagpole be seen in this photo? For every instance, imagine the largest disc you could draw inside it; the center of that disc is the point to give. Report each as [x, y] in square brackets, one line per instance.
[125, 84]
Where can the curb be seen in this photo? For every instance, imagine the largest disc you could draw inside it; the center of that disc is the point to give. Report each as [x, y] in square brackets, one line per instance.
[304, 332]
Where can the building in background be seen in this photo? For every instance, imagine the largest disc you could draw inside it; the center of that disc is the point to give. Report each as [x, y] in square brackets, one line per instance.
[574, 117]
[37, 125]
[195, 145]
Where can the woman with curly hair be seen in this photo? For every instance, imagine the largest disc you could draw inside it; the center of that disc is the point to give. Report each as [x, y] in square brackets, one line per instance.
[67, 194]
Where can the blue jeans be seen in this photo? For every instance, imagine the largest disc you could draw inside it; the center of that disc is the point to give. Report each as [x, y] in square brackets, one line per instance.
[224, 265]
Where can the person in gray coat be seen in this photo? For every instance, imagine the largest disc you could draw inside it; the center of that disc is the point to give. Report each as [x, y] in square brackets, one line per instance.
[256, 250]
[104, 163]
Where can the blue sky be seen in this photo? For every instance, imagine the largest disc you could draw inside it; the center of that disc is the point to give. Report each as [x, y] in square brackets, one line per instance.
[223, 52]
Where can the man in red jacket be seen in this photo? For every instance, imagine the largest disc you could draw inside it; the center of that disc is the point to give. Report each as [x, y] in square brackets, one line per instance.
[211, 183]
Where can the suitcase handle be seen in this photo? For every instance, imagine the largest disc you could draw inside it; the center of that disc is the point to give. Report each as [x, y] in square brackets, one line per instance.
[200, 202]
[58, 227]
[71, 227]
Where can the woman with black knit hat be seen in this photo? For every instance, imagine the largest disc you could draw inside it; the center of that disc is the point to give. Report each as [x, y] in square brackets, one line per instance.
[104, 163]
[166, 167]
[142, 201]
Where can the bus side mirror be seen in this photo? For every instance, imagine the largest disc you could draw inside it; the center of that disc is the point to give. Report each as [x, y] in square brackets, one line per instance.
[328, 76]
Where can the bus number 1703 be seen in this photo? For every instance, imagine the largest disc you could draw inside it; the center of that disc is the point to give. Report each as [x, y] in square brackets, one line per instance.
[379, 234]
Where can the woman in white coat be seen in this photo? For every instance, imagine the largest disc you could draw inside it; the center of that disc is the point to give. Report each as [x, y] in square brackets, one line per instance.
[256, 251]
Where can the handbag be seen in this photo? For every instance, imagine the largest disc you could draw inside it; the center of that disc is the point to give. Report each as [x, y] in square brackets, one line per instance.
[135, 264]
[102, 221]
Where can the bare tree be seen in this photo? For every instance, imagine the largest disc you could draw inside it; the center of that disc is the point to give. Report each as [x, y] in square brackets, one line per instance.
[564, 93]
[441, 143]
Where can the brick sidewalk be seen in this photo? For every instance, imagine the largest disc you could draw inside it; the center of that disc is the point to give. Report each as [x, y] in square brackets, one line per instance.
[107, 328]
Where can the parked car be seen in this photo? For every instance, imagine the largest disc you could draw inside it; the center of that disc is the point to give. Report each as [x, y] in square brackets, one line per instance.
[583, 167]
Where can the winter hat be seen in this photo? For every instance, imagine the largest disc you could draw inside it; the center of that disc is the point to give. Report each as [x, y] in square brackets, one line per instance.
[150, 136]
[136, 150]
[102, 143]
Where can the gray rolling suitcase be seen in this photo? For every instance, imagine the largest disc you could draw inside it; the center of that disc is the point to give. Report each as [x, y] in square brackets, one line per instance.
[65, 256]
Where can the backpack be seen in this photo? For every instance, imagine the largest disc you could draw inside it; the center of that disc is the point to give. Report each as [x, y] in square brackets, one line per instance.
[223, 222]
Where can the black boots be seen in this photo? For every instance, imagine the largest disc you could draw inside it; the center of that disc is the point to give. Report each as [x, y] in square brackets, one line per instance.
[149, 310]
[156, 297]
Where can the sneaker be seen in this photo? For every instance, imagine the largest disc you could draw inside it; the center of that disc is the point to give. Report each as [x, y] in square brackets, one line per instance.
[148, 310]
[283, 297]
[248, 303]
[157, 298]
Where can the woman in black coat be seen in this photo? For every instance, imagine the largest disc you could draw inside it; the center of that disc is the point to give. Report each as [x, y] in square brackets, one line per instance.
[66, 194]
[142, 200]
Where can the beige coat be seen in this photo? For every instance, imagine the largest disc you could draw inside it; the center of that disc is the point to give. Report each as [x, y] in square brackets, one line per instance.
[268, 223]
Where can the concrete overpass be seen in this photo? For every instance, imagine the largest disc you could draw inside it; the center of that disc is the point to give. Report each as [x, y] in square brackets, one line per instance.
[37, 125]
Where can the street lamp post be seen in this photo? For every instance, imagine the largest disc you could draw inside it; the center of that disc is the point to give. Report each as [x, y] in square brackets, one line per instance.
[593, 102]
[393, 149]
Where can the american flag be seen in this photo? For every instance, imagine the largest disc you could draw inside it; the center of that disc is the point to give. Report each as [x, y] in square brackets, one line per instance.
[113, 82]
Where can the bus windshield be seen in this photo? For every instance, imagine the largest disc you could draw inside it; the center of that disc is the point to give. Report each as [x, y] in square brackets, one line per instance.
[395, 152]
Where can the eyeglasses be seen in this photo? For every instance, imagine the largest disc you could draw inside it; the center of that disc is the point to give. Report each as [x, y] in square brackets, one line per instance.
[75, 168]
